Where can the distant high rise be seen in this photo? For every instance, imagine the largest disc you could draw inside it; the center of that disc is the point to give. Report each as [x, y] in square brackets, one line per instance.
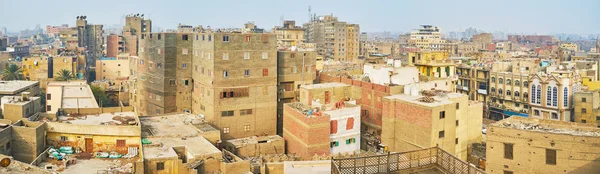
[334, 39]
[428, 38]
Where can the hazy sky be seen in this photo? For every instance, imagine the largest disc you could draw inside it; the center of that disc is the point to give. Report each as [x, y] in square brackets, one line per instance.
[515, 16]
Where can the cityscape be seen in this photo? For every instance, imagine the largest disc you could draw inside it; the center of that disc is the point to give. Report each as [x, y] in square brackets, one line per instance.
[331, 89]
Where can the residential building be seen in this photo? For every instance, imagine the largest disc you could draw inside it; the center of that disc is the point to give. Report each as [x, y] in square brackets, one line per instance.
[44, 68]
[295, 67]
[256, 146]
[334, 39]
[509, 93]
[289, 35]
[435, 64]
[234, 78]
[587, 107]
[552, 95]
[91, 38]
[531, 39]
[55, 30]
[15, 108]
[526, 145]
[69, 95]
[16, 87]
[570, 46]
[3, 43]
[438, 118]
[473, 80]
[114, 45]
[136, 25]
[428, 38]
[325, 121]
[113, 68]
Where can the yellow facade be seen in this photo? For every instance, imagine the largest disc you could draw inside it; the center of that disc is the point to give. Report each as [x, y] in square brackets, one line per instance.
[38, 68]
[101, 143]
[587, 107]
[432, 64]
[570, 46]
[591, 85]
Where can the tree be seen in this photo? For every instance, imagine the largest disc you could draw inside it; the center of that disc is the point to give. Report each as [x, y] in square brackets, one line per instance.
[100, 95]
[64, 75]
[12, 72]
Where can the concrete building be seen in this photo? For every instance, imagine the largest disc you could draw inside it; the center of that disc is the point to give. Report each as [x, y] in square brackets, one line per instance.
[136, 25]
[428, 38]
[16, 87]
[325, 121]
[587, 107]
[295, 67]
[289, 35]
[256, 146]
[473, 81]
[44, 69]
[235, 81]
[532, 39]
[446, 120]
[115, 45]
[3, 43]
[334, 39]
[69, 95]
[15, 108]
[552, 95]
[113, 68]
[23, 140]
[525, 145]
[509, 95]
[55, 30]
[90, 37]
[570, 46]
[432, 64]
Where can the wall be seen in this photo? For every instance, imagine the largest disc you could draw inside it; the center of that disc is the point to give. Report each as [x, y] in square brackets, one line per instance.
[305, 136]
[30, 139]
[342, 135]
[6, 138]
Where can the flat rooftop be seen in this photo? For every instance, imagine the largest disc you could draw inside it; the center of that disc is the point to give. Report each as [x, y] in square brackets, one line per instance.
[75, 94]
[14, 87]
[16, 100]
[548, 126]
[162, 147]
[172, 125]
[117, 118]
[323, 85]
[439, 99]
[241, 142]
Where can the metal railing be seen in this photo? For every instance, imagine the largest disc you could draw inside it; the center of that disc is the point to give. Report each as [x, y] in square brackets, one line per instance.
[403, 161]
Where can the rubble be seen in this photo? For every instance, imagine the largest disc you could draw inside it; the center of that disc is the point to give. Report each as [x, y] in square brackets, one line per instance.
[537, 127]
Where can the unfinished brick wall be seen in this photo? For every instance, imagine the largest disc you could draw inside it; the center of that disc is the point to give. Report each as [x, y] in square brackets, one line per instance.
[305, 136]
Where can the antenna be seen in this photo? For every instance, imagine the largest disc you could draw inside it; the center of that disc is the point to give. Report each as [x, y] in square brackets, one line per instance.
[281, 20]
[309, 14]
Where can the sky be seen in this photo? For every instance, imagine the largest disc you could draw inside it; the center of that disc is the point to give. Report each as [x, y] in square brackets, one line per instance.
[510, 16]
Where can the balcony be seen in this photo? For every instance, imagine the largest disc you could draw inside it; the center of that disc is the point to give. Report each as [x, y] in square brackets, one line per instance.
[482, 91]
[288, 94]
[430, 160]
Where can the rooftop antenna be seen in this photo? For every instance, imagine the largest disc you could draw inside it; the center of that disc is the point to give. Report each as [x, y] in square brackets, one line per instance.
[281, 20]
[309, 14]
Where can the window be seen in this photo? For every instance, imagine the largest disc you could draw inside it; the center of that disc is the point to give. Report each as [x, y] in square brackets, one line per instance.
[533, 97]
[508, 151]
[225, 74]
[457, 106]
[583, 110]
[247, 38]
[539, 94]
[48, 108]
[292, 55]
[508, 172]
[159, 51]
[526, 83]
[246, 55]
[350, 123]
[227, 113]
[550, 157]
[500, 80]
[209, 37]
[245, 111]
[508, 82]
[554, 96]
[493, 79]
[456, 122]
[225, 130]
[516, 93]
[549, 96]
[508, 93]
[583, 121]
[583, 99]
[160, 166]
[265, 55]
[493, 89]
[207, 55]
[48, 97]
[172, 82]
[517, 82]
[183, 66]
[265, 72]
[597, 118]
[225, 38]
[225, 56]
[456, 141]
[333, 125]
[536, 112]
[184, 51]
[185, 82]
[203, 37]
[350, 140]
[517, 105]
[184, 37]
[441, 134]
[64, 138]
[555, 116]
[247, 72]
[121, 143]
[334, 144]
[158, 36]
[246, 128]
[442, 114]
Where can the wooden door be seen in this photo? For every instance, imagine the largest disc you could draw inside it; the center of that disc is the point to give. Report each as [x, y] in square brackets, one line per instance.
[89, 146]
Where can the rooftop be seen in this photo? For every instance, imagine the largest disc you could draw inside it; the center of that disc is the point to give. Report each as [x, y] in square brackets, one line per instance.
[75, 94]
[17, 167]
[16, 100]
[241, 142]
[117, 118]
[323, 85]
[548, 126]
[14, 87]
[162, 147]
[429, 98]
[173, 125]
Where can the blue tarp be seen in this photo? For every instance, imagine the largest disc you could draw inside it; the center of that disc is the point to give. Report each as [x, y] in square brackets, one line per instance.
[515, 114]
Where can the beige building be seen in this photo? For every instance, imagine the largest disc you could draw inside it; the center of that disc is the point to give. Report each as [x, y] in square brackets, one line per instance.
[428, 38]
[69, 95]
[113, 68]
[552, 95]
[289, 35]
[446, 120]
[473, 81]
[587, 107]
[335, 40]
[256, 146]
[509, 94]
[235, 81]
[16, 87]
[525, 145]
[15, 108]
[570, 46]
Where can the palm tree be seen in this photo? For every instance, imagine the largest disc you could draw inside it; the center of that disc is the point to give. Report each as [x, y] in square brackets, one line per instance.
[12, 72]
[64, 75]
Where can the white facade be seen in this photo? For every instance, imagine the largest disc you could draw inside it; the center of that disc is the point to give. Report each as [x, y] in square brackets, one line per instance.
[383, 75]
[348, 140]
[551, 97]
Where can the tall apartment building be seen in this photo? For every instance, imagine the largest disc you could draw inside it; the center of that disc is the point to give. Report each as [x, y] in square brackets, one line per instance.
[90, 37]
[114, 45]
[162, 73]
[295, 68]
[235, 81]
[434, 64]
[525, 145]
[587, 107]
[335, 40]
[137, 25]
[289, 35]
[473, 80]
[509, 93]
[429, 38]
[446, 120]
[552, 95]
[55, 30]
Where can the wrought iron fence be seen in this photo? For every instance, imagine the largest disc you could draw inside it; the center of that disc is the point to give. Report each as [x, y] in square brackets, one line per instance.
[397, 162]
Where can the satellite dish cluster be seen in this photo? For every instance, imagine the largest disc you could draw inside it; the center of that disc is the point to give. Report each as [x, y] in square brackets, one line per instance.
[135, 15]
[81, 17]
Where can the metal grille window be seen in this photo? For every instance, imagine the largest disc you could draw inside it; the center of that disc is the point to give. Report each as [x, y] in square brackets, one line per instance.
[227, 113]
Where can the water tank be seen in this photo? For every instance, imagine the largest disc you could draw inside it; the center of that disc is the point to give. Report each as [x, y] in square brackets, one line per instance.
[415, 90]
[407, 89]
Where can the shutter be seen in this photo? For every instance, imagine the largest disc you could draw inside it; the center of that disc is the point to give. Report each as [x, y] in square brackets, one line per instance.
[350, 123]
[334, 125]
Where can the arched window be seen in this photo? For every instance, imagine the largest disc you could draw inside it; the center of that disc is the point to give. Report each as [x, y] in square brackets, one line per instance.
[517, 82]
[549, 96]
[493, 79]
[508, 92]
[554, 96]
[500, 91]
[538, 94]
[565, 96]
[533, 97]
[525, 83]
[516, 93]
[525, 95]
[508, 82]
[500, 80]
[493, 89]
